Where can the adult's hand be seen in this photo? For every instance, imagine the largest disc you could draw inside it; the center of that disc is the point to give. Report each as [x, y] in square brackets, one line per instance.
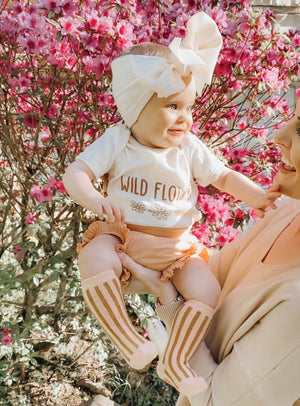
[146, 280]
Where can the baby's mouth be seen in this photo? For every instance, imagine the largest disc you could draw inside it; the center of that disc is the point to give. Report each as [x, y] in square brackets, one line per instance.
[286, 165]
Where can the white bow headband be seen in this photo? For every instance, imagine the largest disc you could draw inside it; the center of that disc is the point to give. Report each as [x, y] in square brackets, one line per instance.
[137, 77]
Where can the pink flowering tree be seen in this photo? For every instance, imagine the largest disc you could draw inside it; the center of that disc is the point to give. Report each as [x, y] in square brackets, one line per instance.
[55, 99]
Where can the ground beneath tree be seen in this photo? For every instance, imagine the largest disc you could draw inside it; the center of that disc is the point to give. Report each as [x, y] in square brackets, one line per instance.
[86, 373]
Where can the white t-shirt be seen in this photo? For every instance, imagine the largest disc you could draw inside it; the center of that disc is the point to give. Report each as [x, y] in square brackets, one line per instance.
[155, 186]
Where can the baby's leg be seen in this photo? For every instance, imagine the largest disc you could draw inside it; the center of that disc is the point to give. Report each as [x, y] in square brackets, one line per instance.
[201, 291]
[195, 281]
[100, 269]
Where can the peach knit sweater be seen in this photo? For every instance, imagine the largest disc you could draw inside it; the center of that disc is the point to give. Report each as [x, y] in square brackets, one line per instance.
[254, 340]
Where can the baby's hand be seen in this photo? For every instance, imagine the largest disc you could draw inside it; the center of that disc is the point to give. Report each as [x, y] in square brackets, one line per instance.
[110, 210]
[267, 199]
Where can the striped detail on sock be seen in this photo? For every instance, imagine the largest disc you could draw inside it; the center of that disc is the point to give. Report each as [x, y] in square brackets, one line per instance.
[188, 331]
[105, 301]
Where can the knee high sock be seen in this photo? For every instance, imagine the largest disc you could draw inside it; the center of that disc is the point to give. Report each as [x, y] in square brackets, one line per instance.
[166, 312]
[188, 330]
[104, 298]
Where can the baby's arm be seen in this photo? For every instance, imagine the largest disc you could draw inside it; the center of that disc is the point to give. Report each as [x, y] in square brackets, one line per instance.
[78, 183]
[242, 188]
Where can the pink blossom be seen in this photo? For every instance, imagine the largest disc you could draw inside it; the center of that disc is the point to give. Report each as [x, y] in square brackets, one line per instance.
[95, 65]
[54, 5]
[17, 7]
[5, 163]
[69, 25]
[203, 233]
[44, 136]
[41, 194]
[243, 21]
[124, 3]
[69, 6]
[19, 253]
[223, 68]
[30, 218]
[93, 20]
[125, 33]
[296, 40]
[273, 57]
[51, 183]
[60, 187]
[23, 83]
[229, 222]
[31, 21]
[260, 132]
[30, 120]
[239, 215]
[280, 43]
[54, 184]
[195, 127]
[237, 154]
[218, 15]
[263, 179]
[297, 93]
[8, 23]
[238, 167]
[230, 55]
[242, 124]
[270, 76]
[231, 29]
[213, 208]
[98, 23]
[105, 99]
[29, 43]
[226, 234]
[6, 338]
[52, 111]
[238, 85]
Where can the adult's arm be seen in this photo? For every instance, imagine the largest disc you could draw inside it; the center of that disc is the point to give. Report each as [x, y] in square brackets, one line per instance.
[263, 367]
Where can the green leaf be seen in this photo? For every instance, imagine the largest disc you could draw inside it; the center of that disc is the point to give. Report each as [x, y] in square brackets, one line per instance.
[53, 22]
[59, 36]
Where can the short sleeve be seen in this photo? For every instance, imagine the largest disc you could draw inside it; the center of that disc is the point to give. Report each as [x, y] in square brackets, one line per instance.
[101, 154]
[206, 167]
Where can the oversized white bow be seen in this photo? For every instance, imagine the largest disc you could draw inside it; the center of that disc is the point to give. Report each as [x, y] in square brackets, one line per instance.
[137, 77]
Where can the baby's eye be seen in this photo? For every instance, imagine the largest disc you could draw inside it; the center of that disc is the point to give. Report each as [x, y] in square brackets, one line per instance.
[173, 106]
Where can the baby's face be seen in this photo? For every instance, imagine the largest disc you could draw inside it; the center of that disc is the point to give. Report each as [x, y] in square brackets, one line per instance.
[165, 121]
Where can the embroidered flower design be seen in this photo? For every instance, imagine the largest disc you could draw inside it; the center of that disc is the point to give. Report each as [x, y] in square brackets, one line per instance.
[159, 212]
[138, 207]
[181, 211]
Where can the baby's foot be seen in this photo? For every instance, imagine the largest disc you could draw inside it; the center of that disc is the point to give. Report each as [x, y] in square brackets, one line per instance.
[143, 355]
[182, 378]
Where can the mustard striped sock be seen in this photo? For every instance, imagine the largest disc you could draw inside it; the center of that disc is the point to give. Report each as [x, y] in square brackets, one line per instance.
[188, 330]
[104, 298]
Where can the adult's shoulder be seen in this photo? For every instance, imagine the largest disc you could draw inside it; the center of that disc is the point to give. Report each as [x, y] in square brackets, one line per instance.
[285, 206]
[287, 203]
